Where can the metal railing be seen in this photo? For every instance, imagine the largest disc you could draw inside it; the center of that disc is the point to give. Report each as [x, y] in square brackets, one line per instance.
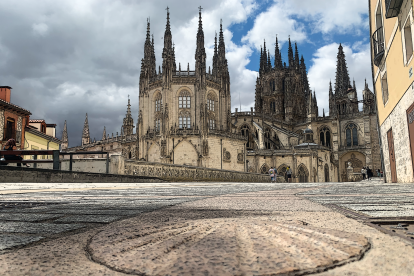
[378, 44]
[54, 153]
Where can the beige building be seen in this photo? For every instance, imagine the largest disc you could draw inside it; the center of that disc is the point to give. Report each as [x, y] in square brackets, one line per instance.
[185, 118]
[392, 54]
[40, 136]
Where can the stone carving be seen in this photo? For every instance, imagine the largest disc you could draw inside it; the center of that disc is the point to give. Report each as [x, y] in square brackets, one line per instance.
[205, 147]
[163, 148]
[356, 164]
[240, 157]
[226, 155]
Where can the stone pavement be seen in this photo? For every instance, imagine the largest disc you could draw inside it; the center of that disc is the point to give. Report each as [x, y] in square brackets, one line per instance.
[206, 229]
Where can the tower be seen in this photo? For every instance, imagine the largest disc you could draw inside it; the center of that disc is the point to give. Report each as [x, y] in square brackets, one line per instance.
[128, 125]
[85, 132]
[168, 56]
[65, 140]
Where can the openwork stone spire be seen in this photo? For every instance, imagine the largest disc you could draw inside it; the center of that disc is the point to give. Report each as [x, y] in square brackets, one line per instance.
[65, 140]
[104, 134]
[342, 78]
[85, 132]
[304, 74]
[168, 57]
[290, 55]
[296, 57]
[200, 55]
[215, 57]
[128, 123]
[278, 56]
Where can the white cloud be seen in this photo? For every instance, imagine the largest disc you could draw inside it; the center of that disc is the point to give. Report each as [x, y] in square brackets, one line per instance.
[40, 29]
[324, 70]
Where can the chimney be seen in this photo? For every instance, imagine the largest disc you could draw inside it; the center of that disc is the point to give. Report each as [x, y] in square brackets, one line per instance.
[5, 93]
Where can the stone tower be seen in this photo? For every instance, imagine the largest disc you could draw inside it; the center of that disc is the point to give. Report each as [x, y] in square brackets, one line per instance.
[65, 140]
[283, 92]
[85, 133]
[128, 125]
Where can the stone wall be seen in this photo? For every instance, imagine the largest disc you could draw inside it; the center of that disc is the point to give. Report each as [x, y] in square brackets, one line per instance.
[9, 174]
[171, 172]
[397, 120]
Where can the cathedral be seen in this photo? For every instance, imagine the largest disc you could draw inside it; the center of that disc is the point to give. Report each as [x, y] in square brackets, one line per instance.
[185, 117]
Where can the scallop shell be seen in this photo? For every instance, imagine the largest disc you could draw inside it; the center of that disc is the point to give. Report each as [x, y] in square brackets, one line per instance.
[225, 247]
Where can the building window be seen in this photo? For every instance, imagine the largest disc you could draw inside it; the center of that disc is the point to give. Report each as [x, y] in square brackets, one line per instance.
[408, 40]
[212, 124]
[184, 120]
[325, 137]
[157, 125]
[351, 135]
[158, 102]
[184, 100]
[10, 130]
[273, 107]
[210, 101]
[384, 87]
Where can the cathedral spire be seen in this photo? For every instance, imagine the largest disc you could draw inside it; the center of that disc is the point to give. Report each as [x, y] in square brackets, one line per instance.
[215, 57]
[304, 74]
[85, 132]
[168, 61]
[278, 56]
[296, 57]
[342, 78]
[200, 55]
[290, 55]
[264, 56]
[128, 122]
[104, 134]
[65, 140]
[269, 63]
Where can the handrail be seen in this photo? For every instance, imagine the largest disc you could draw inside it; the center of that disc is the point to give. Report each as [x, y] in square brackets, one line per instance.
[378, 44]
[55, 153]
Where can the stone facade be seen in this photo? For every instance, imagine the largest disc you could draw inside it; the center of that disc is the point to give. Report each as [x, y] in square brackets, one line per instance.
[397, 121]
[185, 118]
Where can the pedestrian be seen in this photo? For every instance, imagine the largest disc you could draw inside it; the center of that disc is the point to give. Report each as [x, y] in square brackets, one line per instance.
[369, 173]
[272, 174]
[363, 173]
[289, 174]
[274, 169]
[10, 144]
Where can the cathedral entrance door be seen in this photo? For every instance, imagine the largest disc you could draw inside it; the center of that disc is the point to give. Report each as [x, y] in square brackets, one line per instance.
[327, 173]
[392, 156]
[410, 118]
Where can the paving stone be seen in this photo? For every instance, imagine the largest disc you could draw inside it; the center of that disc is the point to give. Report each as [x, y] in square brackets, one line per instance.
[88, 218]
[9, 240]
[37, 228]
[224, 247]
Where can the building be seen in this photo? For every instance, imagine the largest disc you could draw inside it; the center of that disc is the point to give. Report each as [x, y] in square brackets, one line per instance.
[185, 117]
[40, 136]
[392, 72]
[13, 119]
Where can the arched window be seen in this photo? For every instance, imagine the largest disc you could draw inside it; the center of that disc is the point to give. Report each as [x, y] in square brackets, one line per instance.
[158, 102]
[184, 120]
[351, 135]
[157, 125]
[245, 131]
[211, 98]
[325, 137]
[184, 99]
[303, 174]
[273, 107]
[211, 123]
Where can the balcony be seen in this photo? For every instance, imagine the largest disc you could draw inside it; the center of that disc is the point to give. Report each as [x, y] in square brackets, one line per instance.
[378, 43]
[392, 8]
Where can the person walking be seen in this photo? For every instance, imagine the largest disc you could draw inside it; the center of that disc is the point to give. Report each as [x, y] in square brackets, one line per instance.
[363, 171]
[369, 173]
[274, 169]
[289, 174]
[272, 174]
[10, 144]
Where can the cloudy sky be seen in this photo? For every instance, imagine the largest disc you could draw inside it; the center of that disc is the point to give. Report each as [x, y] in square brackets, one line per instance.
[70, 57]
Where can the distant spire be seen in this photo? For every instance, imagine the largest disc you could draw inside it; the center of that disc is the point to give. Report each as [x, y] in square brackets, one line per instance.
[65, 134]
[304, 74]
[200, 54]
[104, 134]
[290, 55]
[323, 112]
[85, 132]
[215, 57]
[330, 88]
[264, 56]
[128, 122]
[342, 78]
[296, 57]
[269, 63]
[278, 56]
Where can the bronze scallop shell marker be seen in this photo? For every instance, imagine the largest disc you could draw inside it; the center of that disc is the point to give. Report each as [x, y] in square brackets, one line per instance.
[225, 247]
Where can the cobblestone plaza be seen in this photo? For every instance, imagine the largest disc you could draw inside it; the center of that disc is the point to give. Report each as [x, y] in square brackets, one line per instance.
[206, 229]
